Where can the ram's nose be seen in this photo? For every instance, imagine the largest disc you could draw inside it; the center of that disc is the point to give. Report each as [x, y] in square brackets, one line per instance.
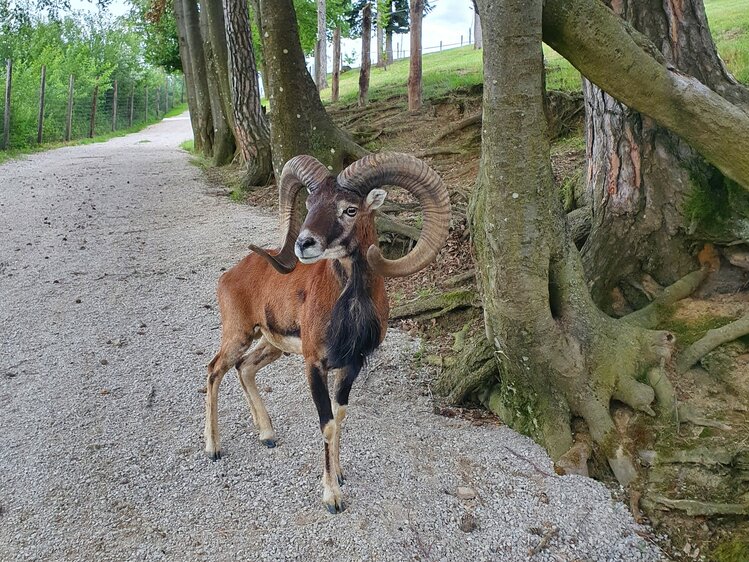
[307, 247]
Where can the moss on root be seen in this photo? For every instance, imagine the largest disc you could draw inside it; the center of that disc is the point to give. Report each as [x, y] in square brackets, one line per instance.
[734, 550]
[717, 207]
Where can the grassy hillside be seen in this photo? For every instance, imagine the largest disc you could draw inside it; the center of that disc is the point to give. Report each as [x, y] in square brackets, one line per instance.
[455, 68]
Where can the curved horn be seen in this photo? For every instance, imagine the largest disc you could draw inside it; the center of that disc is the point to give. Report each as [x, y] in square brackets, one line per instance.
[403, 170]
[298, 172]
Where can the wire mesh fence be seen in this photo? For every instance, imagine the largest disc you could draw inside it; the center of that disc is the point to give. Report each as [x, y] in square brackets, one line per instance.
[59, 108]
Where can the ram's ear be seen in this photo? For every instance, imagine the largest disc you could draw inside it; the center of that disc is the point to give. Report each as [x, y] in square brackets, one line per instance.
[375, 199]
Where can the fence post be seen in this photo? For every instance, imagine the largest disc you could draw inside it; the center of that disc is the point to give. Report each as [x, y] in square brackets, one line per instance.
[92, 125]
[69, 114]
[158, 100]
[6, 117]
[42, 88]
[131, 105]
[440, 46]
[461, 40]
[167, 106]
[114, 107]
[145, 107]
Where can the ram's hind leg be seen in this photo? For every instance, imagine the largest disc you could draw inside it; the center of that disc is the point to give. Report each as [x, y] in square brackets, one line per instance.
[263, 354]
[231, 351]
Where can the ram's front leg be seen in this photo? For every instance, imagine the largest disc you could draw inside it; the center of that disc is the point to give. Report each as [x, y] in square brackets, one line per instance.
[344, 380]
[317, 379]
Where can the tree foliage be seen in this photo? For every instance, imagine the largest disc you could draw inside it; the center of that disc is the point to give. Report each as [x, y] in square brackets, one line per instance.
[95, 48]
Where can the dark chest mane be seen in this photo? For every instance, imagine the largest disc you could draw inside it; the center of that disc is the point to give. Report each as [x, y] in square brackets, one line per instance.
[354, 329]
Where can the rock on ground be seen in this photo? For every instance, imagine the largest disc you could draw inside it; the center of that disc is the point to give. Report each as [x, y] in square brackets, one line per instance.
[109, 257]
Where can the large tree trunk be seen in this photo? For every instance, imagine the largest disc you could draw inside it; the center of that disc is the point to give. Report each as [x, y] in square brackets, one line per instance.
[199, 74]
[622, 61]
[558, 356]
[641, 176]
[299, 123]
[250, 126]
[414, 75]
[186, 58]
[389, 46]
[321, 49]
[216, 61]
[366, 62]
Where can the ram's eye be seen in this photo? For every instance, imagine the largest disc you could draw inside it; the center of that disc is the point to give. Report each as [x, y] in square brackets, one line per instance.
[351, 211]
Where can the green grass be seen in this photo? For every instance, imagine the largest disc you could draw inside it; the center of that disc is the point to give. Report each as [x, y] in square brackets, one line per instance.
[442, 73]
[188, 146]
[729, 25]
[453, 69]
[176, 110]
[6, 155]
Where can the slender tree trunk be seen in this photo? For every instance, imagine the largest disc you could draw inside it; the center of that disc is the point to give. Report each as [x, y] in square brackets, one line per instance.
[389, 46]
[626, 65]
[299, 123]
[641, 176]
[187, 66]
[251, 128]
[380, 43]
[558, 356]
[321, 48]
[336, 65]
[478, 42]
[366, 41]
[263, 68]
[414, 76]
[216, 62]
[199, 74]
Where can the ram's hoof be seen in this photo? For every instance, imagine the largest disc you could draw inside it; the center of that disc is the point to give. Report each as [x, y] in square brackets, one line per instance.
[214, 455]
[270, 443]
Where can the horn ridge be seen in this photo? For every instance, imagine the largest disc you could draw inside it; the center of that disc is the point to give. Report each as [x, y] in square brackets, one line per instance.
[298, 172]
[412, 174]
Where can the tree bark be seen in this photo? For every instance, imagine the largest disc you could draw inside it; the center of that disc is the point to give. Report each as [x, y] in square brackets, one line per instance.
[558, 356]
[414, 75]
[478, 42]
[321, 49]
[216, 62]
[335, 87]
[198, 73]
[640, 175]
[299, 123]
[389, 46]
[366, 62]
[380, 44]
[185, 57]
[250, 126]
[626, 65]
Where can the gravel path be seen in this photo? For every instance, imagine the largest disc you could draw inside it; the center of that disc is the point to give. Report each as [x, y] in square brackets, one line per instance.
[109, 256]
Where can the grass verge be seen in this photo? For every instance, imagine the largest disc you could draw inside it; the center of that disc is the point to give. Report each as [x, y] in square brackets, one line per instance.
[6, 155]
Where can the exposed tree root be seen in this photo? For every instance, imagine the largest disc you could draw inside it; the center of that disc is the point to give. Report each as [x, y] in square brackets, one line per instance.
[651, 315]
[710, 341]
[436, 151]
[694, 507]
[434, 306]
[575, 461]
[580, 224]
[469, 373]
[388, 224]
[459, 126]
[460, 279]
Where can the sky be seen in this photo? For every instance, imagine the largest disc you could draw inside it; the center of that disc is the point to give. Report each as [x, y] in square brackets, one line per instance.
[446, 22]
